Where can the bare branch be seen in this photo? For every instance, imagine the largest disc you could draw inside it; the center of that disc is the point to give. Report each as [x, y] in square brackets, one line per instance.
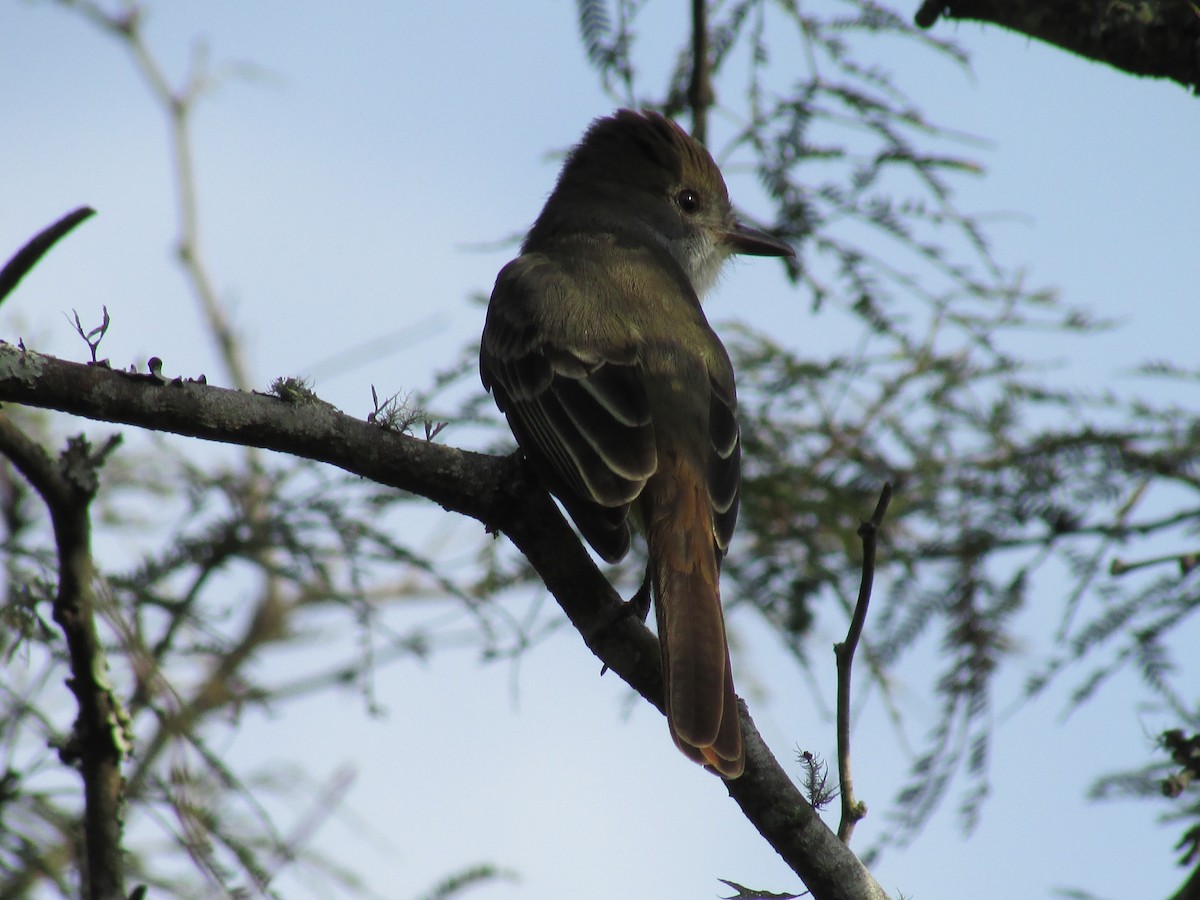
[178, 105]
[852, 810]
[37, 247]
[99, 741]
[700, 89]
[1155, 38]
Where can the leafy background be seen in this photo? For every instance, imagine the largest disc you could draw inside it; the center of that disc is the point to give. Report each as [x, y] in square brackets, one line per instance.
[358, 182]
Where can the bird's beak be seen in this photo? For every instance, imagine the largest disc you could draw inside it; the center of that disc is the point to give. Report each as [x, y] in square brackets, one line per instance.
[753, 242]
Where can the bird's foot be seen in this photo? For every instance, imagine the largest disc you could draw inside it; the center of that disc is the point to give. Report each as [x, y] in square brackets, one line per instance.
[638, 605]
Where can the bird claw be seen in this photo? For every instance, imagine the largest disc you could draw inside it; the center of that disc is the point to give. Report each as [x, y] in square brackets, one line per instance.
[638, 605]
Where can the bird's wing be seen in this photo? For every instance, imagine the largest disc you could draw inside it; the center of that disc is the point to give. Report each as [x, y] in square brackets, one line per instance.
[579, 413]
[725, 456]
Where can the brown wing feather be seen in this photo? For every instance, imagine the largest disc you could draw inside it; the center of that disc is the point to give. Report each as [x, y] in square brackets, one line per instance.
[579, 414]
[724, 462]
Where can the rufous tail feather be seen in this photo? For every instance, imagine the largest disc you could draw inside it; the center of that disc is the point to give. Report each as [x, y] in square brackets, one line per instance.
[701, 705]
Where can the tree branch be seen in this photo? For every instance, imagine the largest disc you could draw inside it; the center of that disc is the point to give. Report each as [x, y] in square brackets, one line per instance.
[700, 88]
[98, 743]
[1158, 38]
[37, 247]
[498, 492]
[178, 105]
[852, 810]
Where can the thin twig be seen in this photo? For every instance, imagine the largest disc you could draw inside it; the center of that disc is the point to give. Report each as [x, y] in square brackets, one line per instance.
[178, 104]
[852, 810]
[37, 247]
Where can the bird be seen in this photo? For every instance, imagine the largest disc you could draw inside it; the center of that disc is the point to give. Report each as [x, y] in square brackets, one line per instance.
[622, 397]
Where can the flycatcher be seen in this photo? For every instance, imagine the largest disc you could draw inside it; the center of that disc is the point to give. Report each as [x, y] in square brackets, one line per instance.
[622, 397]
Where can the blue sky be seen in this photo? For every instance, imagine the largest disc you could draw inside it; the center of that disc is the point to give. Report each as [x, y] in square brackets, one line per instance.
[362, 185]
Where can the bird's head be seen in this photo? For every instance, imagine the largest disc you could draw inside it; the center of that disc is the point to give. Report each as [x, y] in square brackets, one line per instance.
[640, 176]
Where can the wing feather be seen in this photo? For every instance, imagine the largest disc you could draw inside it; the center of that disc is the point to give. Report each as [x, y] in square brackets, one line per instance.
[724, 461]
[580, 414]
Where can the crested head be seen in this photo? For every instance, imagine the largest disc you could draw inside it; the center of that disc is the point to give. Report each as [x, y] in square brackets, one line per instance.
[644, 152]
[641, 177]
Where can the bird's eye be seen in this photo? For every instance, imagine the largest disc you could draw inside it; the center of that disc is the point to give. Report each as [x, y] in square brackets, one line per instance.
[689, 201]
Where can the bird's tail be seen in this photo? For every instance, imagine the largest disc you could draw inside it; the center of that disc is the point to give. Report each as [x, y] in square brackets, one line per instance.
[701, 705]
